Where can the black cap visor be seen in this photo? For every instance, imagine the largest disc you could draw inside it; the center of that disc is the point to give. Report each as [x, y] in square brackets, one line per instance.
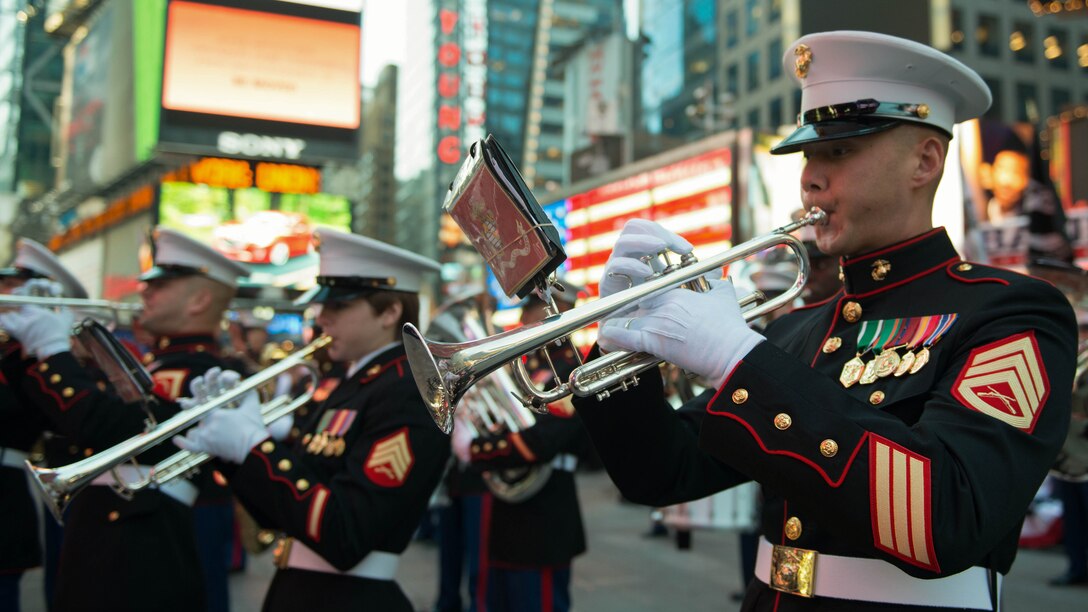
[167, 272]
[832, 130]
[24, 273]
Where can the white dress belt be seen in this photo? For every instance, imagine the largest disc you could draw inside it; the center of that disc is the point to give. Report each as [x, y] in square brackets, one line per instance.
[565, 462]
[9, 457]
[377, 565]
[876, 580]
[180, 489]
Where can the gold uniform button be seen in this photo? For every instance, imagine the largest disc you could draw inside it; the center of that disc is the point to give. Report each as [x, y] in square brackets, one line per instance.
[164, 342]
[113, 516]
[101, 386]
[475, 448]
[501, 444]
[73, 450]
[268, 446]
[793, 528]
[783, 421]
[487, 447]
[303, 411]
[876, 397]
[148, 358]
[43, 367]
[740, 396]
[851, 312]
[87, 452]
[302, 484]
[964, 267]
[829, 448]
[54, 378]
[295, 431]
[833, 343]
[68, 392]
[284, 465]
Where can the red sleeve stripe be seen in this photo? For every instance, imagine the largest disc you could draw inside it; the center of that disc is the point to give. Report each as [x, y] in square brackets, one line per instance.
[317, 512]
[900, 503]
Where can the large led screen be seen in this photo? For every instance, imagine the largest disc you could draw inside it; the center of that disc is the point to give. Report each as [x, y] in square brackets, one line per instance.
[269, 233]
[240, 63]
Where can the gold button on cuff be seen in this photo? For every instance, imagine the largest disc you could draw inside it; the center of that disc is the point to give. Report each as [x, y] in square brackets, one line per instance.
[42, 367]
[68, 392]
[740, 396]
[302, 484]
[54, 378]
[793, 528]
[113, 515]
[829, 448]
[268, 446]
[851, 312]
[284, 465]
[783, 421]
[876, 397]
[833, 343]
[964, 267]
[73, 449]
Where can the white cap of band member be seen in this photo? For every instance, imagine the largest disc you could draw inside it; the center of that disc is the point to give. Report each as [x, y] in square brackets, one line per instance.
[352, 264]
[178, 255]
[32, 260]
[857, 83]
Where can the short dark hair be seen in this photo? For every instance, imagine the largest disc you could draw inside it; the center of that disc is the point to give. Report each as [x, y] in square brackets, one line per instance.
[384, 300]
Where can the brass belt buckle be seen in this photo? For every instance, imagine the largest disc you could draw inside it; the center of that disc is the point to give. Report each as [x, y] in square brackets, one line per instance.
[282, 552]
[793, 570]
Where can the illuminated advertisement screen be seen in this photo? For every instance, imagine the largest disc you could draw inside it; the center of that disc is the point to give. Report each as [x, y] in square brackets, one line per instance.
[269, 233]
[692, 197]
[281, 81]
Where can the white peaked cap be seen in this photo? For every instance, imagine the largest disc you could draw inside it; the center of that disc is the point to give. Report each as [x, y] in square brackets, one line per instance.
[179, 255]
[351, 264]
[33, 258]
[857, 83]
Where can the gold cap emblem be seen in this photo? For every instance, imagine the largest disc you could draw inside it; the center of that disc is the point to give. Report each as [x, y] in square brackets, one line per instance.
[833, 343]
[802, 61]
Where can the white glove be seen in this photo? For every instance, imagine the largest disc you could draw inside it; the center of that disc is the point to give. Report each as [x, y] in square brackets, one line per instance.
[43, 332]
[228, 433]
[281, 427]
[639, 238]
[40, 287]
[702, 333]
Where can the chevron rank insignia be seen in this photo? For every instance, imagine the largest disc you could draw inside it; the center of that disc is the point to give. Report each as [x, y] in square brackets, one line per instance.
[390, 460]
[1005, 380]
[169, 383]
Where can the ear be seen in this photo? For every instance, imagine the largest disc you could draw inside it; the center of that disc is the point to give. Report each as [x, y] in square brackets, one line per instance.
[929, 152]
[391, 316]
[200, 300]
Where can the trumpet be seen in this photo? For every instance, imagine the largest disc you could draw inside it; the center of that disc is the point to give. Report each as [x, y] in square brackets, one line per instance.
[493, 405]
[57, 486]
[445, 371]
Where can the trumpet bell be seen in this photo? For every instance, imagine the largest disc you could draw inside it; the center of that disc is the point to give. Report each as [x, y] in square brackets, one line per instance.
[430, 378]
[55, 499]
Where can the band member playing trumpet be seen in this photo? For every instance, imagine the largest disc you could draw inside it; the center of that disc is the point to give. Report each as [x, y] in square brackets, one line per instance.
[901, 428]
[531, 540]
[349, 490]
[21, 423]
[139, 553]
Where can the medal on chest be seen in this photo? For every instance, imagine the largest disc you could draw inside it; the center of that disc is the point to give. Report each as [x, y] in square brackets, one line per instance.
[884, 338]
[328, 438]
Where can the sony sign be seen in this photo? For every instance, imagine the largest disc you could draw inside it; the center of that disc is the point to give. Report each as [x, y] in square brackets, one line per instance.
[255, 145]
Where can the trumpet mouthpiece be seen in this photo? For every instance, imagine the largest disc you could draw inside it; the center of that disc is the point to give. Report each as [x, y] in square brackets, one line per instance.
[818, 216]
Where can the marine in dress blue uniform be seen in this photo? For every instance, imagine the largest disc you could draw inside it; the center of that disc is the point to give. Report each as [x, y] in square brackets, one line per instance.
[22, 425]
[532, 540]
[900, 428]
[140, 553]
[349, 492]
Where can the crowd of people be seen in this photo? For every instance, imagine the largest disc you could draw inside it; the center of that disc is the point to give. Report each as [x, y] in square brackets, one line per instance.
[899, 419]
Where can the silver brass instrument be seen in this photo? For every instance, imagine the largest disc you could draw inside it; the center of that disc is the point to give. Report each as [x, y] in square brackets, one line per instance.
[445, 371]
[57, 486]
[493, 405]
